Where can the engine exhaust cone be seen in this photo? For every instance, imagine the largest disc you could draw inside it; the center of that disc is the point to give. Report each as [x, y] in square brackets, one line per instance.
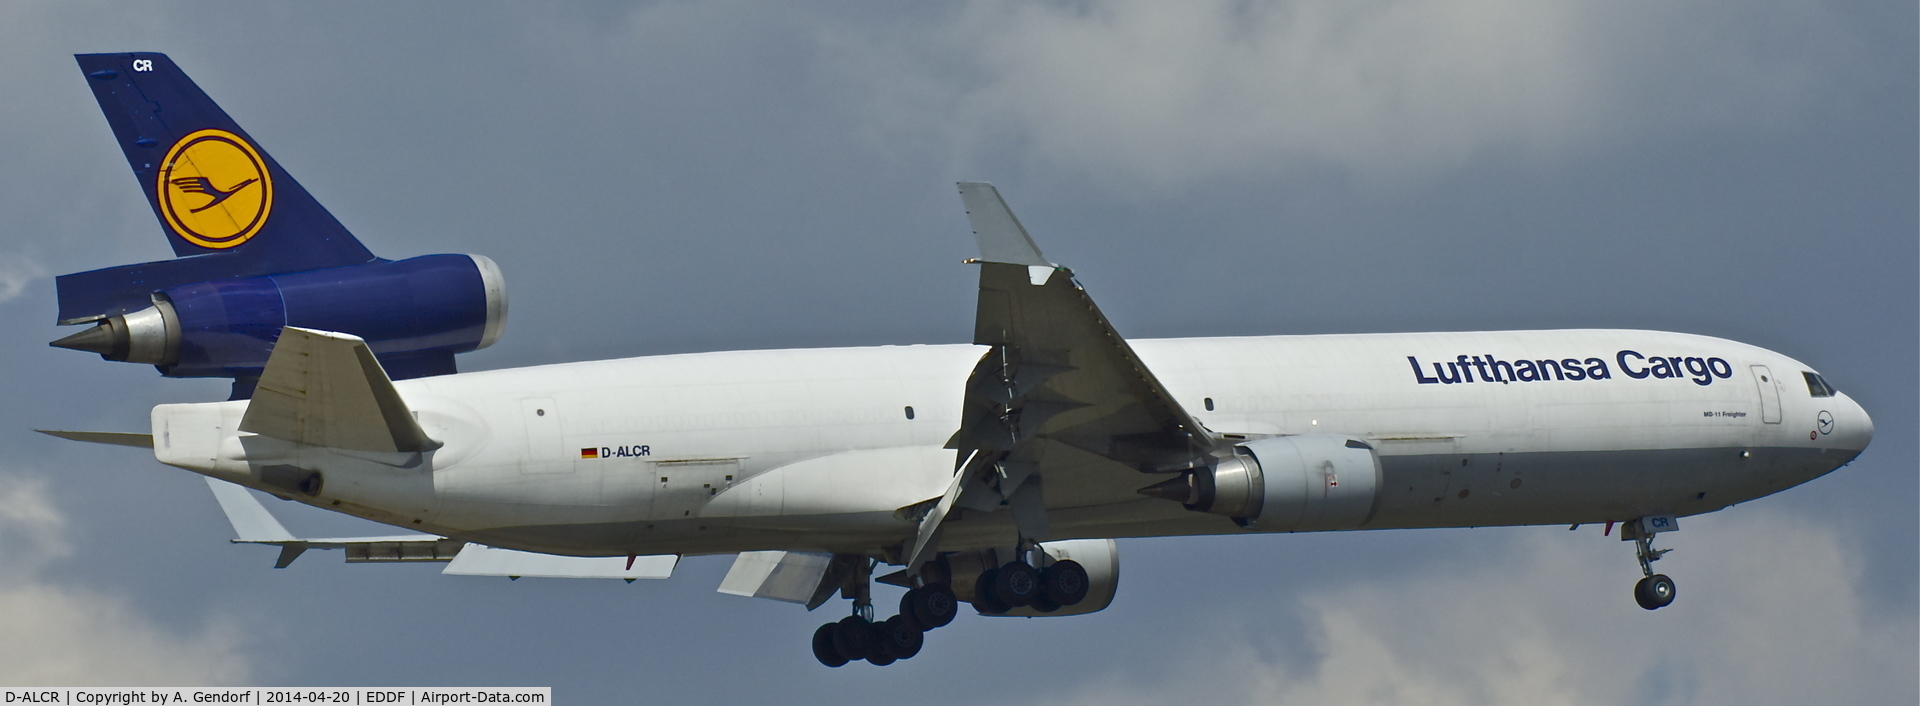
[1178, 489]
[99, 339]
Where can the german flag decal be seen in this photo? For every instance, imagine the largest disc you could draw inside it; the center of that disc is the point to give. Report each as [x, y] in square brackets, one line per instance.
[590, 453]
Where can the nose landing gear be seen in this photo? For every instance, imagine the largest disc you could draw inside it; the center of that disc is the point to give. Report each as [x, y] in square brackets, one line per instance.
[1654, 591]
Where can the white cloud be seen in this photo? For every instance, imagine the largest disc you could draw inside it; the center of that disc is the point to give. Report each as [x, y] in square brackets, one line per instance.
[1768, 613]
[66, 635]
[31, 529]
[1137, 90]
[58, 633]
[16, 272]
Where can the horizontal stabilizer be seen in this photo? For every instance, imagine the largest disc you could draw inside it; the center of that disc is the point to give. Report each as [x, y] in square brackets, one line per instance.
[114, 438]
[251, 521]
[326, 389]
[482, 560]
[792, 577]
[253, 524]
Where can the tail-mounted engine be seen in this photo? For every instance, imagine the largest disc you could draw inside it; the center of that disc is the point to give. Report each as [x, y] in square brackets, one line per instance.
[1285, 484]
[254, 253]
[415, 314]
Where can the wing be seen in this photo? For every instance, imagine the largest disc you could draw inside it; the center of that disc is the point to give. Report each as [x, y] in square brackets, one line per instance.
[1059, 396]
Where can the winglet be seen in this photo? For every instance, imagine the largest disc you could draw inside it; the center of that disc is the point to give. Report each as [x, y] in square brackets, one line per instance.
[326, 389]
[1001, 237]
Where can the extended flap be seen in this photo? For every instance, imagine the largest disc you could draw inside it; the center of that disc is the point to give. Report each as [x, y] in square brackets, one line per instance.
[792, 577]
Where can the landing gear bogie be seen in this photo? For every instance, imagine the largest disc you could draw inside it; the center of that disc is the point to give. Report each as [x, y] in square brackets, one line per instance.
[932, 604]
[854, 638]
[858, 637]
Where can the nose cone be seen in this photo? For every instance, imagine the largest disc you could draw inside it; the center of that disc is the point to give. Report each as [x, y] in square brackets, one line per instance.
[1858, 431]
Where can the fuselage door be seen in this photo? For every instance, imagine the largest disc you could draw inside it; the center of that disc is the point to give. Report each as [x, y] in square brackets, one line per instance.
[1769, 394]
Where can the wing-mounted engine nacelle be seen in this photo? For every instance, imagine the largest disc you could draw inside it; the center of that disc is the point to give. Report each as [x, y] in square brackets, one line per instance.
[1100, 557]
[415, 314]
[1285, 484]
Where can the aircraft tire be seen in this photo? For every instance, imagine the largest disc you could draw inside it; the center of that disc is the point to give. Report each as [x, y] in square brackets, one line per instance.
[1042, 604]
[983, 599]
[930, 606]
[1064, 583]
[823, 648]
[899, 638]
[853, 637]
[1016, 584]
[907, 602]
[1654, 592]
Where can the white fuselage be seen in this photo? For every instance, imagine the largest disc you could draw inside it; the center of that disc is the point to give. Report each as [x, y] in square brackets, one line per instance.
[817, 449]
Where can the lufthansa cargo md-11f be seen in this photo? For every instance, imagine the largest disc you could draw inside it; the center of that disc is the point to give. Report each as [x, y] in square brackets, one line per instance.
[997, 473]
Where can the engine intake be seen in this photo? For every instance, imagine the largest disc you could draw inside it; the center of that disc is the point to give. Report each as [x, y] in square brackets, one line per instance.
[1285, 484]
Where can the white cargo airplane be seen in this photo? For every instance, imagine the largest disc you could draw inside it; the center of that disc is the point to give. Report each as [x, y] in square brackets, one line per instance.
[999, 472]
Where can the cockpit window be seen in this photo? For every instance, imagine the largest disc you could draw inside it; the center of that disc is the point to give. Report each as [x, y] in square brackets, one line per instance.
[1817, 386]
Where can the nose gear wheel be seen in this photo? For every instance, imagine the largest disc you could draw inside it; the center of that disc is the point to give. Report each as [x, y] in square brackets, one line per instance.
[1654, 591]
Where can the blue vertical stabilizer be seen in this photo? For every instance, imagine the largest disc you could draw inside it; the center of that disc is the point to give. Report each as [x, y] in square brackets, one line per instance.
[226, 207]
[255, 253]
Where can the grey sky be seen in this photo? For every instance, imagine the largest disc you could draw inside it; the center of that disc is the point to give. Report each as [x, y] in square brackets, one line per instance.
[674, 177]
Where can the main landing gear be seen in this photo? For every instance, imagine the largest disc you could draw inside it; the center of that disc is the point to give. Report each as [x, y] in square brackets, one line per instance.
[859, 637]
[932, 604]
[1016, 584]
[1654, 591]
[856, 638]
